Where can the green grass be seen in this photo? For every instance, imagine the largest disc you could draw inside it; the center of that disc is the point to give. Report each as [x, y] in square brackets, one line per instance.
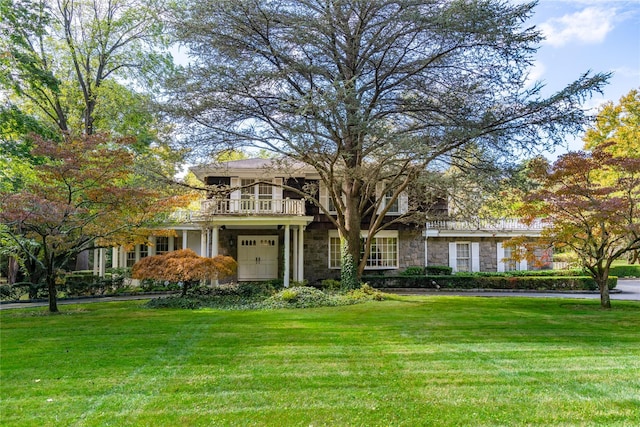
[408, 362]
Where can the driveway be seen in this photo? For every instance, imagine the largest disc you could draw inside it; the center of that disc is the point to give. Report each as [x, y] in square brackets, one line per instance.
[627, 289]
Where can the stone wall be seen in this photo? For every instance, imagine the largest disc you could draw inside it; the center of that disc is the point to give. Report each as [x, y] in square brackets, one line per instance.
[316, 255]
[438, 251]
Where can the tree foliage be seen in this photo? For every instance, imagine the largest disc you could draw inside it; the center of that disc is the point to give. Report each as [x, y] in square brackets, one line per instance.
[619, 122]
[184, 266]
[369, 93]
[84, 195]
[72, 63]
[598, 220]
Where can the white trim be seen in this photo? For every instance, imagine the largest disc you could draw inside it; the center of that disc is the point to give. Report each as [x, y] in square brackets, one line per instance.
[287, 254]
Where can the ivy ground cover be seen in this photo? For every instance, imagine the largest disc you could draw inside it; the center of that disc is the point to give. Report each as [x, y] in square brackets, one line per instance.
[404, 362]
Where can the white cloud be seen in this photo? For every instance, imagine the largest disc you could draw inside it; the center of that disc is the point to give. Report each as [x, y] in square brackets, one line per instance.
[535, 73]
[591, 25]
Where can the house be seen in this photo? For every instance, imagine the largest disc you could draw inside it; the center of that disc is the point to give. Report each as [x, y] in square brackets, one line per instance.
[273, 233]
[477, 245]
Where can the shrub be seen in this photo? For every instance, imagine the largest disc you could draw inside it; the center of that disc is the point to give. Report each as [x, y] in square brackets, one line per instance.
[228, 297]
[625, 271]
[10, 293]
[330, 285]
[435, 270]
[489, 282]
[413, 271]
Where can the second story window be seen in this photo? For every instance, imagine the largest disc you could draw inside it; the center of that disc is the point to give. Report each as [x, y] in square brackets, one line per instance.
[395, 206]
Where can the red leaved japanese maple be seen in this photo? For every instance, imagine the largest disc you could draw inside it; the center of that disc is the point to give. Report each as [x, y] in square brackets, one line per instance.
[85, 195]
[591, 204]
[183, 266]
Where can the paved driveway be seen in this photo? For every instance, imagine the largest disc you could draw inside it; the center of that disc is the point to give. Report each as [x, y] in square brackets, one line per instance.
[627, 289]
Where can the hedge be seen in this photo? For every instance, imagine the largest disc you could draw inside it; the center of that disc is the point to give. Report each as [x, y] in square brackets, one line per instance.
[625, 270]
[542, 283]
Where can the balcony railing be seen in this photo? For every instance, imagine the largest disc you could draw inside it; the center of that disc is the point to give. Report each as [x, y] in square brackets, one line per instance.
[486, 224]
[252, 207]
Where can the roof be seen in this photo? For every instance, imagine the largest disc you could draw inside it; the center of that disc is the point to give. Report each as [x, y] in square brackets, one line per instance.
[256, 167]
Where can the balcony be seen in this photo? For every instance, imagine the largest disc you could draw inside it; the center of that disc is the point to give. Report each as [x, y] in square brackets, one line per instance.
[487, 225]
[255, 207]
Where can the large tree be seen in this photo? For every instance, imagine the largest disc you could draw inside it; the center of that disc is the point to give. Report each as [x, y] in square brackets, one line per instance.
[371, 93]
[85, 195]
[73, 63]
[597, 219]
[619, 122]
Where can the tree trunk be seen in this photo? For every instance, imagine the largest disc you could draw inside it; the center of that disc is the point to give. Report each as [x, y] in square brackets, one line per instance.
[605, 301]
[349, 278]
[350, 242]
[12, 270]
[53, 297]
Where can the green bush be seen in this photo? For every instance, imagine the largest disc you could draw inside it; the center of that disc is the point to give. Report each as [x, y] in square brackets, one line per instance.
[330, 285]
[413, 271]
[625, 271]
[558, 283]
[80, 283]
[228, 297]
[438, 270]
[10, 293]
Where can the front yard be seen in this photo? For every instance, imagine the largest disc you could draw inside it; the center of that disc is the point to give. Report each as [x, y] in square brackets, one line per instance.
[408, 361]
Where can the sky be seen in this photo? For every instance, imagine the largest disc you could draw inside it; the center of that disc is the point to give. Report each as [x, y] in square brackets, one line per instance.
[583, 35]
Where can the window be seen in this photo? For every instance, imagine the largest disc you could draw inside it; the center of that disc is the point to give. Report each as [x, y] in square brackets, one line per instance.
[463, 257]
[395, 206]
[383, 254]
[247, 191]
[162, 245]
[506, 261]
[131, 258]
[509, 263]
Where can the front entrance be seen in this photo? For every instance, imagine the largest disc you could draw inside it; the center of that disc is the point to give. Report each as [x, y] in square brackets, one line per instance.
[257, 258]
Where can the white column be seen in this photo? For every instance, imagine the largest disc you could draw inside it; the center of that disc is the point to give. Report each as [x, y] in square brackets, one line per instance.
[103, 261]
[295, 256]
[301, 253]
[214, 241]
[426, 253]
[203, 242]
[152, 245]
[123, 257]
[185, 245]
[287, 255]
[115, 258]
[96, 262]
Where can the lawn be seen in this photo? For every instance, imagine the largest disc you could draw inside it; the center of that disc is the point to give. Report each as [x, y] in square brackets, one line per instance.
[405, 362]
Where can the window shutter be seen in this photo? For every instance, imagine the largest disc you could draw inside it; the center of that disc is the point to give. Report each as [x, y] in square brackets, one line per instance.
[500, 256]
[379, 197]
[277, 189]
[324, 197]
[475, 256]
[453, 256]
[403, 202]
[277, 195]
[235, 195]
